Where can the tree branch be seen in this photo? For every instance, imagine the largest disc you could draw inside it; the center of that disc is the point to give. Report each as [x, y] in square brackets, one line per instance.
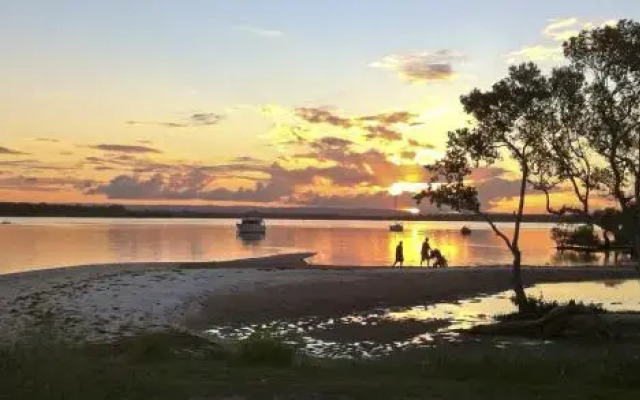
[523, 189]
[495, 229]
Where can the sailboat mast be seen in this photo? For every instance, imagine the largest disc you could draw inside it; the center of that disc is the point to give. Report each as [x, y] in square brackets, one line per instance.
[396, 227]
[395, 207]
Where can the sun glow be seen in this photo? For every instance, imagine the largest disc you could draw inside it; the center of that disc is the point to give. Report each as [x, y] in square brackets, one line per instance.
[411, 187]
[407, 187]
[427, 156]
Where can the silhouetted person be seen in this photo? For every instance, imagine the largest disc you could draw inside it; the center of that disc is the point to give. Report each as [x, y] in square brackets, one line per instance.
[439, 260]
[425, 252]
[399, 255]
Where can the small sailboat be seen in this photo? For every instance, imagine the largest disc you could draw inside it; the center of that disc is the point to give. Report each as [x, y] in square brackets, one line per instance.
[251, 224]
[397, 225]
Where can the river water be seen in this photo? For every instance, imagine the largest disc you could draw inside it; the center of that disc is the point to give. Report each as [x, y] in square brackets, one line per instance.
[37, 243]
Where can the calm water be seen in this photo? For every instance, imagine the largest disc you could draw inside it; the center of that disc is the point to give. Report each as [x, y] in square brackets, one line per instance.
[36, 243]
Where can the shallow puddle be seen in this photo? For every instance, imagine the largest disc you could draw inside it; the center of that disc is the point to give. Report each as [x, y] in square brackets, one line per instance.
[381, 332]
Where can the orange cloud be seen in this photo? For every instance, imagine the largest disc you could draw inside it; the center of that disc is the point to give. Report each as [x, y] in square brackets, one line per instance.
[322, 115]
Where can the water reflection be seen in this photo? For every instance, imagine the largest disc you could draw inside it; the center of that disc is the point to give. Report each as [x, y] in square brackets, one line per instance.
[44, 242]
[572, 257]
[251, 239]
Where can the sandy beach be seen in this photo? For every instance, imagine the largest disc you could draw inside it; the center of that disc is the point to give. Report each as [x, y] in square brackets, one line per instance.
[98, 302]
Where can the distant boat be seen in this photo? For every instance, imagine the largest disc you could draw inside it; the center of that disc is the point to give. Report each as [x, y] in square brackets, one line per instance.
[396, 227]
[5, 222]
[251, 224]
[465, 231]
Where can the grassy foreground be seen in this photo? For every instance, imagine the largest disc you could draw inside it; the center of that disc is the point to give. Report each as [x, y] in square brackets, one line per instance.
[180, 366]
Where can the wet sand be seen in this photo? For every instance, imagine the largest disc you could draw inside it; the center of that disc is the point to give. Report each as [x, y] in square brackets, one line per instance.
[358, 289]
[98, 302]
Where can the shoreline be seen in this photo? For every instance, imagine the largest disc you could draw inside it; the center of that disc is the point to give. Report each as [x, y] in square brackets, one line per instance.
[103, 301]
[296, 259]
[359, 290]
[405, 217]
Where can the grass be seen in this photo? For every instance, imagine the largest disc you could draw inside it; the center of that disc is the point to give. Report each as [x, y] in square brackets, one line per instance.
[174, 365]
[262, 349]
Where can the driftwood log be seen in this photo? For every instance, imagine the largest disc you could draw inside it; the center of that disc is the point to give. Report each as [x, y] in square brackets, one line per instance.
[567, 321]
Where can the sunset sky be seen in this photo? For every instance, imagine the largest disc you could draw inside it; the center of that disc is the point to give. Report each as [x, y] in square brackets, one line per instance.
[287, 103]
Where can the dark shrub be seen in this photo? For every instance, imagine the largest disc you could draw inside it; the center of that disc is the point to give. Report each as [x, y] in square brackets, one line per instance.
[537, 307]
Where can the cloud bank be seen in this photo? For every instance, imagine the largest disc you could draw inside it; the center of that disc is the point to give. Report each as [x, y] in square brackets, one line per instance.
[11, 152]
[194, 120]
[124, 148]
[556, 31]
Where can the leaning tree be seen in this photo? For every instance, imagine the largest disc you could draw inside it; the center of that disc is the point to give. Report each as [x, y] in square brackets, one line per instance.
[508, 126]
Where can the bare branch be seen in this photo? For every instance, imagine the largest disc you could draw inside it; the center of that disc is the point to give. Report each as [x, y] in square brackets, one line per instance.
[495, 229]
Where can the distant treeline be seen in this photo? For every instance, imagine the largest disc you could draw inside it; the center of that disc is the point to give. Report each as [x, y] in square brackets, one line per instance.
[61, 210]
[120, 211]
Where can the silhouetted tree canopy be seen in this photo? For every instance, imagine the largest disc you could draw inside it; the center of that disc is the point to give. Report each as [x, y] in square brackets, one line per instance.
[508, 125]
[576, 129]
[594, 137]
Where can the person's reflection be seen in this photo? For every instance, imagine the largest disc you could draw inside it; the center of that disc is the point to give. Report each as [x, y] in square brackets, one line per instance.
[197, 249]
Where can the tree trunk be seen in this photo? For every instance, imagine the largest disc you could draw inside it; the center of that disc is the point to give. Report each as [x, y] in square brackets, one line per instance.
[636, 221]
[605, 239]
[636, 218]
[518, 287]
[637, 252]
[636, 237]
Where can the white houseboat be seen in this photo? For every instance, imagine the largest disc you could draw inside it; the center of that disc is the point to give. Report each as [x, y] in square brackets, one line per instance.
[251, 224]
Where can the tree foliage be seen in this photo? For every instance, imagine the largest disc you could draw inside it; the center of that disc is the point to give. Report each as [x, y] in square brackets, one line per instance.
[576, 129]
[508, 126]
[582, 235]
[593, 143]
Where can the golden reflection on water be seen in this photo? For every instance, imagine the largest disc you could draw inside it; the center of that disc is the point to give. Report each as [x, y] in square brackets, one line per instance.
[462, 315]
[615, 295]
[413, 237]
[33, 243]
[307, 332]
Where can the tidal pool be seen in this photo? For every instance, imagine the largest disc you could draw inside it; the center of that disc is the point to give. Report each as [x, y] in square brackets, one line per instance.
[380, 332]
